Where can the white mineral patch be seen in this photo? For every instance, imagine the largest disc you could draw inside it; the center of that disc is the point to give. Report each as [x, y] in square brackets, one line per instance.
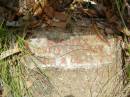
[92, 53]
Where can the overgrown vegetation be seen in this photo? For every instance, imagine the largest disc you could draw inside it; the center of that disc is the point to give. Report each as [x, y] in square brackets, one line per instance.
[13, 73]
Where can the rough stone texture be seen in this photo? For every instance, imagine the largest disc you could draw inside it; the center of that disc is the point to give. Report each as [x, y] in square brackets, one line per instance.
[78, 64]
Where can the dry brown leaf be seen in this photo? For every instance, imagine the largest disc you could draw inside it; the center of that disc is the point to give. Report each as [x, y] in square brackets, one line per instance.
[49, 11]
[91, 12]
[9, 52]
[35, 23]
[38, 11]
[49, 22]
[60, 16]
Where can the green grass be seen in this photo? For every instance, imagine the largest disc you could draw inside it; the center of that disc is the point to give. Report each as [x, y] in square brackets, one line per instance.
[13, 73]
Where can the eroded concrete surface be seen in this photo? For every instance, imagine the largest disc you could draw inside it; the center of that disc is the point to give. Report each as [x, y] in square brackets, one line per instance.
[79, 64]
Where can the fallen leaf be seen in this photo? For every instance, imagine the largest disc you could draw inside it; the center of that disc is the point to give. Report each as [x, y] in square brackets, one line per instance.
[49, 11]
[35, 23]
[38, 12]
[9, 52]
[91, 12]
[60, 16]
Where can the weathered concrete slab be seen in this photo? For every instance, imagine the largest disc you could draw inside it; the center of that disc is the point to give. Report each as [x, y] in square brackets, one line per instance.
[78, 64]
